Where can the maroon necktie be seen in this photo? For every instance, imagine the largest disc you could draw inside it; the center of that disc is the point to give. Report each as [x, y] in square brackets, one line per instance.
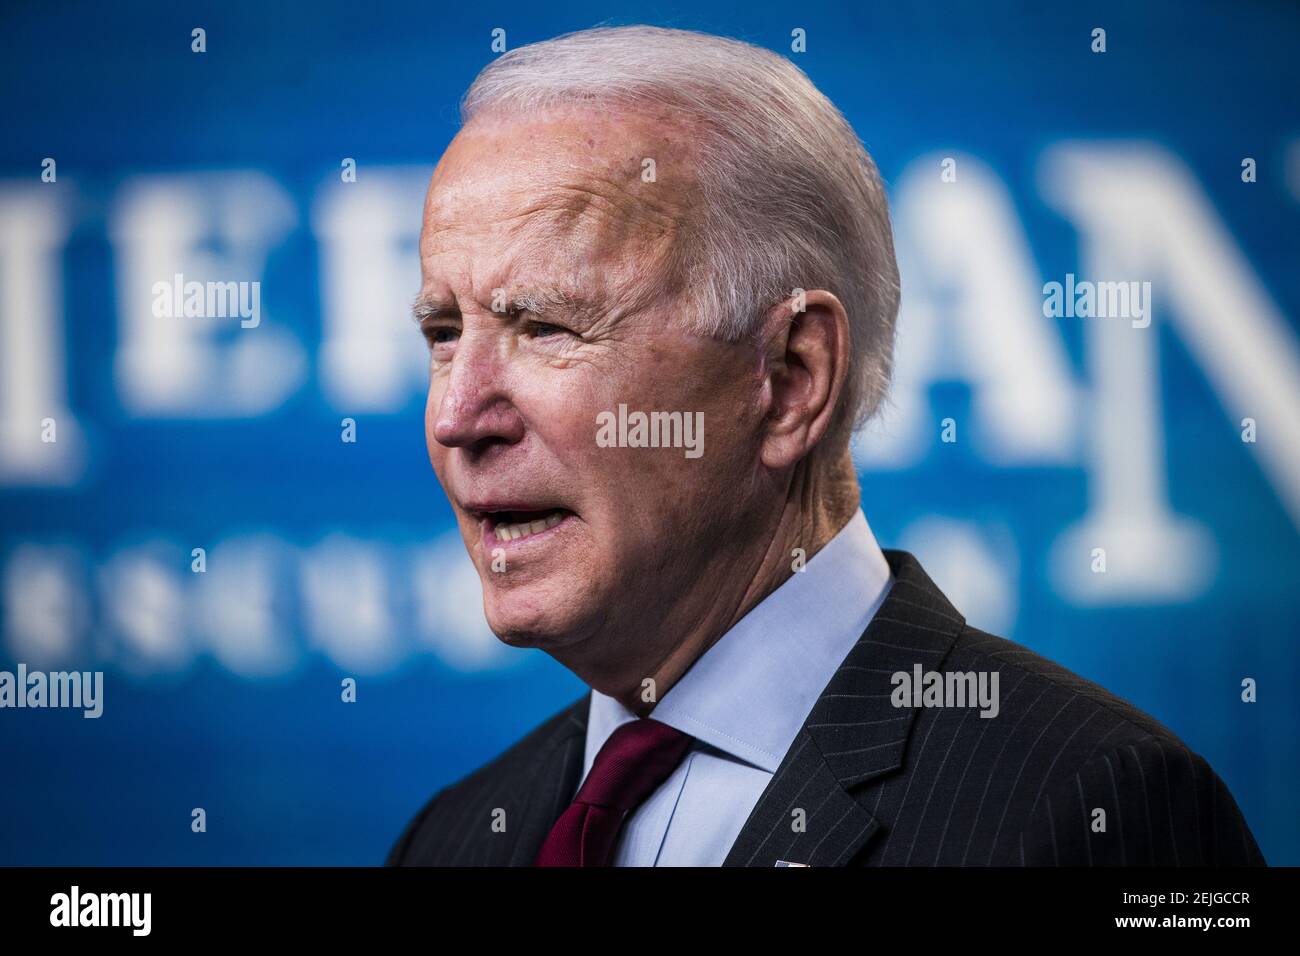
[637, 757]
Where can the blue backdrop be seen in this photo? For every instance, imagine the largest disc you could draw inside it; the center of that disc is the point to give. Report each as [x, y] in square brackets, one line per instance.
[1017, 152]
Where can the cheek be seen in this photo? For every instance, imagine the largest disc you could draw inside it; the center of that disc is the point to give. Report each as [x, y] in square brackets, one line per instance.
[560, 408]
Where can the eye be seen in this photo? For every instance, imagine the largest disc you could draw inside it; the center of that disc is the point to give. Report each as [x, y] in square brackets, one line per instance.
[543, 330]
[441, 335]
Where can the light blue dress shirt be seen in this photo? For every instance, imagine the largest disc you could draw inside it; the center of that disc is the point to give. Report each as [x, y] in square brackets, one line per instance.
[744, 701]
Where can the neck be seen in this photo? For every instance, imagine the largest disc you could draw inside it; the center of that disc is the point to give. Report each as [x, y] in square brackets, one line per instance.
[819, 501]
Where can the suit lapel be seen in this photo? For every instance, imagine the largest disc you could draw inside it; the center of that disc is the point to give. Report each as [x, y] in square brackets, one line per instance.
[808, 813]
[541, 791]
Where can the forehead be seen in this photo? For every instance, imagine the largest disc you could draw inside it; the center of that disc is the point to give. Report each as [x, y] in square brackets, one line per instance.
[583, 184]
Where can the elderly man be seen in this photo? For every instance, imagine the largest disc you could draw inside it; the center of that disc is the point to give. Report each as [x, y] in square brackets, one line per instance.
[659, 294]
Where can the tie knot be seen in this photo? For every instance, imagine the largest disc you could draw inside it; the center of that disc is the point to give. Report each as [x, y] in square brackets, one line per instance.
[637, 758]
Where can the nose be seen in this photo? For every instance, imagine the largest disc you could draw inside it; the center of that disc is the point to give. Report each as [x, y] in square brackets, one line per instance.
[476, 407]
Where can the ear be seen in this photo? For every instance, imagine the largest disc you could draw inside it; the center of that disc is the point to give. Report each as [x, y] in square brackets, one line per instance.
[808, 361]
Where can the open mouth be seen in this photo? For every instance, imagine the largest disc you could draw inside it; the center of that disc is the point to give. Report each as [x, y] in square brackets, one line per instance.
[505, 526]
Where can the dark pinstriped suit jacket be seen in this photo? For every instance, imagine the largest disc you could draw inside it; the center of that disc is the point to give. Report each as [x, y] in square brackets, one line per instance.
[884, 786]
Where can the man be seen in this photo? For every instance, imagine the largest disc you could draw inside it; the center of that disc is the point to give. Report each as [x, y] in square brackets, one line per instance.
[659, 294]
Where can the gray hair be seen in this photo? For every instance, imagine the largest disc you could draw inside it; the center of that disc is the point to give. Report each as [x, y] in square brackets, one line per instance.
[790, 197]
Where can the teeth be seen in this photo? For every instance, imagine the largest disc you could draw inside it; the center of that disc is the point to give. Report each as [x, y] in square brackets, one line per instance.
[522, 529]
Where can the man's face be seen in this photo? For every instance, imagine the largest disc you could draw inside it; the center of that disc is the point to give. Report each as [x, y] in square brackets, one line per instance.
[572, 539]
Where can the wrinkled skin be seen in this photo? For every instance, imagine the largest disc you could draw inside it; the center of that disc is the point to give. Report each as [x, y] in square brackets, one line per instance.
[658, 553]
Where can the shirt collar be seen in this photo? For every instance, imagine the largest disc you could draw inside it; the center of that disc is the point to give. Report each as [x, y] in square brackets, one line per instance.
[750, 693]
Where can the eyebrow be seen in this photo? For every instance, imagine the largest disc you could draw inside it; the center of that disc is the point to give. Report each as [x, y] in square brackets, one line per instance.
[541, 302]
[428, 306]
[546, 302]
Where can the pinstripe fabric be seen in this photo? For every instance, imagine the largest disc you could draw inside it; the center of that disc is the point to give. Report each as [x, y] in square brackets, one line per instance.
[532, 782]
[868, 784]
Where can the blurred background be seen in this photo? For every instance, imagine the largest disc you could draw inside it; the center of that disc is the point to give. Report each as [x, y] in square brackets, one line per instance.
[293, 152]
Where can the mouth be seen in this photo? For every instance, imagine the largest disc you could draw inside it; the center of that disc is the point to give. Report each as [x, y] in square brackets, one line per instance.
[505, 526]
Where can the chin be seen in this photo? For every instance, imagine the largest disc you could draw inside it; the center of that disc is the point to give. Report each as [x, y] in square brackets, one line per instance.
[528, 617]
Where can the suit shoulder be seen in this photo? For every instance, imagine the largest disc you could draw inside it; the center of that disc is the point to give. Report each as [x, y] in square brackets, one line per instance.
[516, 760]
[1030, 682]
[1151, 802]
[1029, 785]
